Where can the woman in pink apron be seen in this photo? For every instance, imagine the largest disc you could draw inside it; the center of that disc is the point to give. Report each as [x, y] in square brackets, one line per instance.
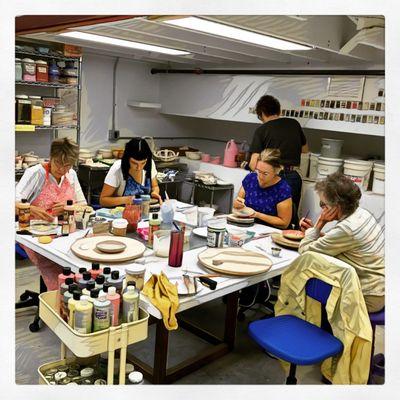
[48, 187]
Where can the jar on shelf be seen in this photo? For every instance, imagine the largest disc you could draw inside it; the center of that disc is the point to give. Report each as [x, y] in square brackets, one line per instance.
[36, 110]
[22, 109]
[54, 72]
[18, 69]
[28, 70]
[42, 71]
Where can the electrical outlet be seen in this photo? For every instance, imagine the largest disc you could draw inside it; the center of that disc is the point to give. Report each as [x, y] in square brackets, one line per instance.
[113, 135]
[252, 110]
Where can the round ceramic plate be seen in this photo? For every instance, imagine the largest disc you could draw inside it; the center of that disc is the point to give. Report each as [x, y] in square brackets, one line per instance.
[293, 234]
[39, 227]
[244, 212]
[111, 246]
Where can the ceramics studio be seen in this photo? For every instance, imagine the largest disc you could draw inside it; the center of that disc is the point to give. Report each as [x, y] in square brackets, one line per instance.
[200, 199]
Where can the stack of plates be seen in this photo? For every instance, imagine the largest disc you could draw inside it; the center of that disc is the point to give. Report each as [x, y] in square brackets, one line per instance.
[240, 221]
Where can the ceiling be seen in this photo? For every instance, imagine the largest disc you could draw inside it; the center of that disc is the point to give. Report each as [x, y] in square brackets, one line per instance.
[339, 41]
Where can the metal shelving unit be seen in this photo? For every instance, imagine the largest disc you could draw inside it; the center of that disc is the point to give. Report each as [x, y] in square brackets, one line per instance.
[54, 129]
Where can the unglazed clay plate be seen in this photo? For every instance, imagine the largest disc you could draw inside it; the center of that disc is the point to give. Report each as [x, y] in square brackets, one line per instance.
[111, 246]
[244, 212]
[293, 234]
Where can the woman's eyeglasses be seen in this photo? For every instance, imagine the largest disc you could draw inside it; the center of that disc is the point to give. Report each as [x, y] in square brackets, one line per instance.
[262, 173]
[322, 204]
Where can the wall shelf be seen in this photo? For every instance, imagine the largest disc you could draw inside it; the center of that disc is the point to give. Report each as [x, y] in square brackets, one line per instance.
[34, 128]
[47, 84]
[143, 104]
[42, 55]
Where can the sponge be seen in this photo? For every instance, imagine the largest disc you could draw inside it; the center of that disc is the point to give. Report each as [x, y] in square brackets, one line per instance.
[45, 239]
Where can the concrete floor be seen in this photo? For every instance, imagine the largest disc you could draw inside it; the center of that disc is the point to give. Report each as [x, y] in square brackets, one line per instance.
[247, 364]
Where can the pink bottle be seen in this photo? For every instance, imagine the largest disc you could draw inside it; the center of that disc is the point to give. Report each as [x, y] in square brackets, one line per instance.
[231, 151]
[114, 297]
[65, 274]
[78, 275]
[95, 271]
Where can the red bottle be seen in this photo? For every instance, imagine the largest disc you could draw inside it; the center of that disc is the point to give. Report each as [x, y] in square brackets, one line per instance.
[65, 274]
[95, 271]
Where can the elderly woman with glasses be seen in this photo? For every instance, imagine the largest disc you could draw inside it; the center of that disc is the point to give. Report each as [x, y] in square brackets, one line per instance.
[47, 187]
[266, 192]
[356, 239]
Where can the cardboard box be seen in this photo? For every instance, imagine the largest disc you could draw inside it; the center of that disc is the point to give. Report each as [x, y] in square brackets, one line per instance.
[72, 51]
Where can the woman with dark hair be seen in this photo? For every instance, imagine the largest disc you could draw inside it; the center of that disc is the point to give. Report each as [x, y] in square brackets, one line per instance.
[356, 239]
[134, 174]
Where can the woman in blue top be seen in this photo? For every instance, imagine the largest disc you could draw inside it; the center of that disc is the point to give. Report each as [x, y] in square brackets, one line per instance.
[266, 192]
[134, 174]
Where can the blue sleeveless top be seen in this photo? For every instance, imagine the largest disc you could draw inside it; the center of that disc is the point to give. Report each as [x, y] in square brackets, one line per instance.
[265, 200]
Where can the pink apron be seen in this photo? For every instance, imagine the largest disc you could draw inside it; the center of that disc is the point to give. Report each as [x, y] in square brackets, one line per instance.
[51, 194]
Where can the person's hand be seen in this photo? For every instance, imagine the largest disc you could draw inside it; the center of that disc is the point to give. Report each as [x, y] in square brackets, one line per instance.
[327, 215]
[40, 213]
[238, 203]
[253, 213]
[58, 208]
[155, 195]
[305, 223]
[128, 199]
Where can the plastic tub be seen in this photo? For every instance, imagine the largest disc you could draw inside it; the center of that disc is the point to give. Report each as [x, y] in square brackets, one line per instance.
[358, 171]
[313, 165]
[331, 148]
[378, 185]
[304, 164]
[327, 166]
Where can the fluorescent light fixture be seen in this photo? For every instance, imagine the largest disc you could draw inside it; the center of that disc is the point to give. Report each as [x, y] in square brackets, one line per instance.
[123, 43]
[215, 28]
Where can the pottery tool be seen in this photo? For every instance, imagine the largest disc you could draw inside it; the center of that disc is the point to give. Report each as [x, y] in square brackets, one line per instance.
[225, 261]
[308, 212]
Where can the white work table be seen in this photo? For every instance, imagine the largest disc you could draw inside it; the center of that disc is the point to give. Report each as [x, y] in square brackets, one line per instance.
[59, 252]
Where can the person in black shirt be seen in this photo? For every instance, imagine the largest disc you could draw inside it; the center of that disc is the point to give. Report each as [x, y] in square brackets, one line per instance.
[284, 134]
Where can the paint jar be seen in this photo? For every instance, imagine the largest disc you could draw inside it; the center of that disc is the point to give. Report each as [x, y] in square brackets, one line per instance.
[28, 70]
[36, 110]
[176, 248]
[135, 273]
[24, 214]
[42, 71]
[145, 205]
[132, 215]
[18, 69]
[135, 378]
[216, 228]
[119, 227]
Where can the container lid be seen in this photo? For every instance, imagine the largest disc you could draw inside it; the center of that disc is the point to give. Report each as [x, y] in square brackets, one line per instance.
[120, 223]
[100, 279]
[72, 287]
[17, 60]
[115, 274]
[95, 266]
[145, 197]
[35, 97]
[358, 162]
[86, 276]
[106, 287]
[67, 271]
[69, 281]
[28, 60]
[82, 269]
[90, 286]
[135, 377]
[87, 372]
[315, 154]
[69, 202]
[107, 270]
[60, 375]
[337, 160]
[129, 368]
[135, 268]
[40, 62]
[94, 293]
[21, 96]
[333, 140]
[77, 295]
[111, 290]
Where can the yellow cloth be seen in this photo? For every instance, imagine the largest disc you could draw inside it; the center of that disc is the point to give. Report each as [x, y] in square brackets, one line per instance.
[163, 295]
[346, 312]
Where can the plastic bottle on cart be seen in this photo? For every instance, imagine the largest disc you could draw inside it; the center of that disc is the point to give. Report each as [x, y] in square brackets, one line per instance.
[63, 288]
[130, 283]
[83, 315]
[24, 214]
[106, 273]
[115, 300]
[72, 302]
[100, 280]
[86, 278]
[116, 281]
[154, 225]
[89, 286]
[101, 314]
[65, 274]
[69, 216]
[105, 288]
[78, 275]
[96, 270]
[130, 305]
[68, 295]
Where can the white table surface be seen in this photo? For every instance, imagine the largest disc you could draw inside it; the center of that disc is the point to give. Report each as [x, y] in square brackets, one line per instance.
[59, 251]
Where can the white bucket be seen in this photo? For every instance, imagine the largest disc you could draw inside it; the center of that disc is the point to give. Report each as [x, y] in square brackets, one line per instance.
[358, 171]
[313, 165]
[327, 166]
[304, 163]
[378, 185]
[331, 148]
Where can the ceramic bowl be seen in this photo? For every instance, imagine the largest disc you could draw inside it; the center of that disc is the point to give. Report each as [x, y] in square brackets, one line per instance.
[193, 155]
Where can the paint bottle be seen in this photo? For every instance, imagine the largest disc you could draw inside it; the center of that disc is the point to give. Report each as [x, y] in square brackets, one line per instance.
[86, 278]
[83, 315]
[69, 216]
[105, 289]
[101, 314]
[130, 305]
[95, 271]
[130, 283]
[116, 281]
[115, 300]
[65, 274]
[106, 273]
[89, 286]
[78, 275]
[24, 214]
[154, 225]
[94, 295]
[72, 302]
[68, 295]
[63, 288]
[100, 282]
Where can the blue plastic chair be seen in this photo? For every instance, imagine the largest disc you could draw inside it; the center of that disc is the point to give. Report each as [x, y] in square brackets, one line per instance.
[295, 340]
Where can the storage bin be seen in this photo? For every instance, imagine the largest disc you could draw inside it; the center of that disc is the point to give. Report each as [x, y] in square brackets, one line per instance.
[304, 164]
[378, 185]
[18, 69]
[28, 70]
[36, 110]
[313, 165]
[22, 109]
[327, 166]
[358, 171]
[331, 148]
[42, 71]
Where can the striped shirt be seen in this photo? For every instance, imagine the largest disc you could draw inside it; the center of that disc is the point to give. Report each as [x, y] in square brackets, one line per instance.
[357, 240]
[34, 178]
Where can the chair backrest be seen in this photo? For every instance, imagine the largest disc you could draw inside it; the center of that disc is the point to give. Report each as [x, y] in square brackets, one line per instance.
[318, 290]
